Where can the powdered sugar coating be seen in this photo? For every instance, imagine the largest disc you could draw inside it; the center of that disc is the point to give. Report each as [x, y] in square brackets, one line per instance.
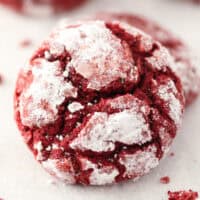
[164, 131]
[75, 106]
[168, 93]
[101, 55]
[188, 68]
[140, 162]
[48, 90]
[52, 166]
[166, 140]
[102, 131]
[99, 176]
[146, 42]
[161, 59]
[129, 102]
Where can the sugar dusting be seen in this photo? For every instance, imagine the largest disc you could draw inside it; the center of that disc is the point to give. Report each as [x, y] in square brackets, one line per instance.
[129, 101]
[165, 180]
[187, 68]
[166, 140]
[100, 176]
[140, 162]
[96, 53]
[168, 93]
[161, 59]
[146, 42]
[39, 102]
[75, 106]
[103, 130]
[52, 167]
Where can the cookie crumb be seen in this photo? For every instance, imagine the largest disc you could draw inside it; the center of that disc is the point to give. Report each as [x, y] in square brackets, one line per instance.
[26, 43]
[1, 81]
[172, 154]
[183, 195]
[165, 180]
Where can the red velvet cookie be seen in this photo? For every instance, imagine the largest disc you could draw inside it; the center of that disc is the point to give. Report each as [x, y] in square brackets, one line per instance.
[41, 6]
[187, 67]
[98, 103]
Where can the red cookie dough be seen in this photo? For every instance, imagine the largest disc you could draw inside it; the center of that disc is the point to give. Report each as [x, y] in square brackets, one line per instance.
[187, 65]
[183, 195]
[165, 180]
[98, 103]
[41, 6]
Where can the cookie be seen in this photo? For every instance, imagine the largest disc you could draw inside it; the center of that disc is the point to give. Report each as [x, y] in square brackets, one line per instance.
[98, 103]
[41, 7]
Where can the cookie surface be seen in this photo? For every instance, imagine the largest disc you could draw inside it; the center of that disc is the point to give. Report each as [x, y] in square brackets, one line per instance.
[187, 65]
[38, 7]
[98, 103]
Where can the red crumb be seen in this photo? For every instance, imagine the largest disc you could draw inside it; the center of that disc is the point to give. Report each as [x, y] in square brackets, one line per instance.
[165, 180]
[183, 195]
[1, 81]
[172, 154]
[25, 43]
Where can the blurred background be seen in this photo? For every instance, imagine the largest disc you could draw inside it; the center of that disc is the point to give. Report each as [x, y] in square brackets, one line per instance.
[21, 178]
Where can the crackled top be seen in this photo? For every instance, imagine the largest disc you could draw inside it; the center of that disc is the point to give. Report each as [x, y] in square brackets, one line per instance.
[187, 62]
[103, 130]
[98, 104]
[96, 53]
